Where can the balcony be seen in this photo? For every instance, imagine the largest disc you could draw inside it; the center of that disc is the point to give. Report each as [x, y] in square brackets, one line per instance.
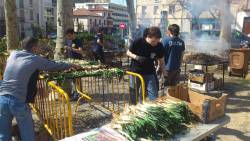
[48, 4]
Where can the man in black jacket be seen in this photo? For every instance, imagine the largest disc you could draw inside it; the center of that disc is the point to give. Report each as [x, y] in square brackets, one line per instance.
[144, 52]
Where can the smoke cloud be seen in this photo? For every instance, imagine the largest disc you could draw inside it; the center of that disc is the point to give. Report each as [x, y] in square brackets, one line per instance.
[211, 44]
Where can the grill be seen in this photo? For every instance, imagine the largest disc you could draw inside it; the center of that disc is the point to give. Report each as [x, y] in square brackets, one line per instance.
[203, 60]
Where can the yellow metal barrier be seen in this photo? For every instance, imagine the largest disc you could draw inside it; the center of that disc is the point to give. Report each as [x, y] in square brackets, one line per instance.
[113, 93]
[53, 107]
[143, 89]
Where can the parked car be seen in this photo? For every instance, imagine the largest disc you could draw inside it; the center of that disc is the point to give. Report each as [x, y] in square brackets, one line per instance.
[52, 35]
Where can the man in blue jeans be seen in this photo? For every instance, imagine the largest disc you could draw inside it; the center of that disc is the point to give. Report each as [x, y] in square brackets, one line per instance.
[21, 71]
[144, 52]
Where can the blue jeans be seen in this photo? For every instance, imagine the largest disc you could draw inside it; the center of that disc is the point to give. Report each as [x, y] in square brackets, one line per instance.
[150, 86]
[12, 107]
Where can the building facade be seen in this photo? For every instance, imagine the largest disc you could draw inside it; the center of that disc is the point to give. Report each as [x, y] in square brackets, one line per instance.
[164, 12]
[119, 12]
[241, 12]
[34, 16]
[88, 1]
[26, 13]
[46, 18]
[92, 19]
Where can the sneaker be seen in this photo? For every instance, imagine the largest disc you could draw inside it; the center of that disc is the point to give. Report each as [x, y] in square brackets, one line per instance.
[74, 96]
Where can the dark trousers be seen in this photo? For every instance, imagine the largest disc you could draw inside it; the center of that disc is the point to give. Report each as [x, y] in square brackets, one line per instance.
[172, 77]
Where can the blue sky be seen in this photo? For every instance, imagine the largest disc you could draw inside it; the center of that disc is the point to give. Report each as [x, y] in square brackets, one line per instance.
[119, 1]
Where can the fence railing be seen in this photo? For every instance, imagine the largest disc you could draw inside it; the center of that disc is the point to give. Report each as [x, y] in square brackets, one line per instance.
[113, 93]
[52, 105]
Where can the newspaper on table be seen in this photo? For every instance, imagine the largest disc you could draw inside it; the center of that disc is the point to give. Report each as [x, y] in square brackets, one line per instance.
[99, 134]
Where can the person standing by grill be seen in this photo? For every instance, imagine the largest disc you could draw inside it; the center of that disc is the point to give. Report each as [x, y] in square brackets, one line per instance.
[97, 47]
[143, 52]
[18, 88]
[73, 46]
[174, 50]
[73, 50]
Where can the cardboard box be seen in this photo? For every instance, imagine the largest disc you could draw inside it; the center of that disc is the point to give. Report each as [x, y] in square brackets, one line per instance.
[204, 107]
[201, 87]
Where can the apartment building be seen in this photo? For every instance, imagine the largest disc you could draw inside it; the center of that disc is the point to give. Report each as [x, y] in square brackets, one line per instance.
[32, 15]
[92, 19]
[26, 13]
[47, 15]
[91, 1]
[164, 12]
[242, 15]
[119, 12]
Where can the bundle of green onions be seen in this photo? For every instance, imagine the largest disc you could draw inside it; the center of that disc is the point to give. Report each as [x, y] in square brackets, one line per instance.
[106, 73]
[82, 63]
[153, 121]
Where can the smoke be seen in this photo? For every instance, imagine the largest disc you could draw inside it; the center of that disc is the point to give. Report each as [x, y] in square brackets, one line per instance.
[210, 43]
[196, 7]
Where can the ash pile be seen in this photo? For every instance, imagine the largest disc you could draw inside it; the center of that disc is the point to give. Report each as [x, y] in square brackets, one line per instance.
[202, 59]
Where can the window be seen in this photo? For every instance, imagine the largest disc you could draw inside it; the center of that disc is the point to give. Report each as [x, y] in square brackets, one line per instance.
[37, 18]
[156, 9]
[31, 2]
[90, 21]
[143, 10]
[22, 18]
[21, 4]
[100, 22]
[95, 21]
[156, 1]
[31, 15]
[104, 22]
[171, 9]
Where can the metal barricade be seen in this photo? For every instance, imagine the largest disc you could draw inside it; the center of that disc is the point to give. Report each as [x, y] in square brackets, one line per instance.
[53, 107]
[113, 93]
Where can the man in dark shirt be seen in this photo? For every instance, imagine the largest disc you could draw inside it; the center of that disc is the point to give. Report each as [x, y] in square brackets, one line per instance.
[15, 89]
[73, 45]
[73, 49]
[144, 51]
[97, 48]
[174, 49]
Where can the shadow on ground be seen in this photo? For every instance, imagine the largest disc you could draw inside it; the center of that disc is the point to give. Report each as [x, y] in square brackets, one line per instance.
[233, 132]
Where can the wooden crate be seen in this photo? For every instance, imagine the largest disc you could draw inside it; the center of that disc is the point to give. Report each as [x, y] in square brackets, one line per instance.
[204, 107]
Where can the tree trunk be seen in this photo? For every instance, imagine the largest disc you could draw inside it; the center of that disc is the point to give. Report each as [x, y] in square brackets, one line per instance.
[60, 29]
[11, 25]
[132, 20]
[68, 6]
[226, 21]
